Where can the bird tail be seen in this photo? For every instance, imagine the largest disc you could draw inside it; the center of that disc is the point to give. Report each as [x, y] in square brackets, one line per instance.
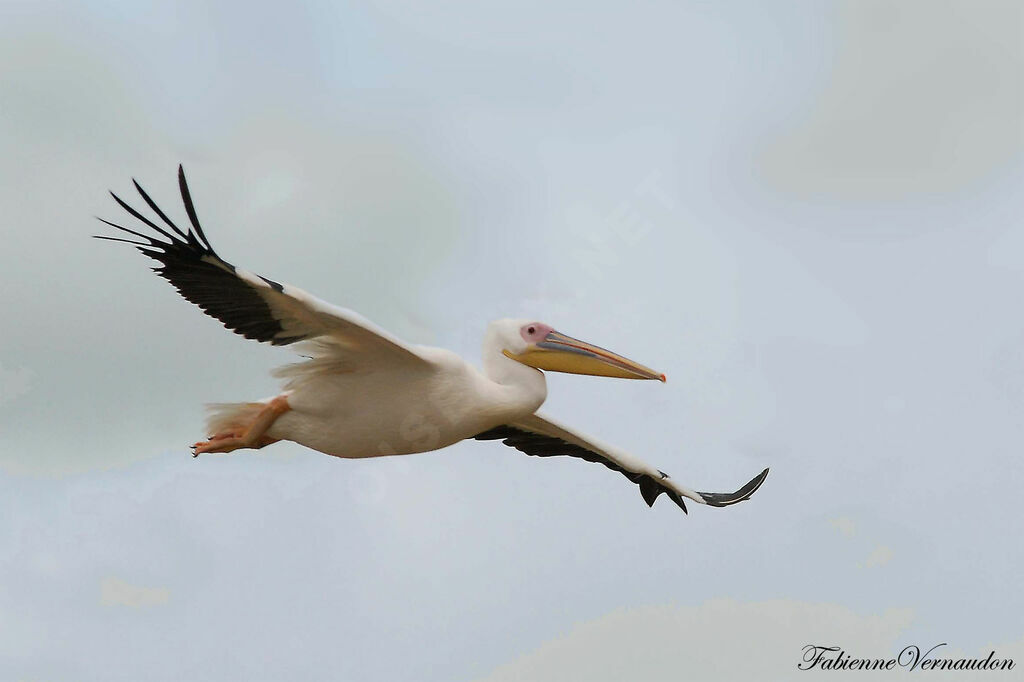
[231, 417]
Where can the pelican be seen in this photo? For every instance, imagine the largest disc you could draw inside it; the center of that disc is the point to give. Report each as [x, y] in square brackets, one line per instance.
[362, 392]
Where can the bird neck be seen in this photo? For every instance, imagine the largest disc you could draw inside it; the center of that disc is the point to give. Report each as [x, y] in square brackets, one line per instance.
[519, 383]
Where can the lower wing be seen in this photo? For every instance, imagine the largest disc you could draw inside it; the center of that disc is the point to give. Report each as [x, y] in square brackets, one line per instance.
[536, 435]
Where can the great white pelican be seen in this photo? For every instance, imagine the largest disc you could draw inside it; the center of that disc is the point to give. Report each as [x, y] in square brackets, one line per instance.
[362, 392]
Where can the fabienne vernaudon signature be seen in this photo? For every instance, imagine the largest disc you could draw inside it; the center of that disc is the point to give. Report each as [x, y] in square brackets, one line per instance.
[910, 657]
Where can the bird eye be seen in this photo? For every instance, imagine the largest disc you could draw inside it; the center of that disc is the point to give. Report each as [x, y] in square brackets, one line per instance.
[531, 330]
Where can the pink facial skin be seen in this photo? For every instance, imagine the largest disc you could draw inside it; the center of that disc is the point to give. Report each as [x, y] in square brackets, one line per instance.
[535, 332]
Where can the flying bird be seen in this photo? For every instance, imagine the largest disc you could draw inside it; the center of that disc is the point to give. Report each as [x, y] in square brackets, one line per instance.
[362, 392]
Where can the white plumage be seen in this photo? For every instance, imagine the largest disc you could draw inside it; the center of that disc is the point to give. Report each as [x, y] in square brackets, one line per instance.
[362, 392]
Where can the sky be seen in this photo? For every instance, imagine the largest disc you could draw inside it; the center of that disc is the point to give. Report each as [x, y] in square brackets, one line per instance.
[807, 214]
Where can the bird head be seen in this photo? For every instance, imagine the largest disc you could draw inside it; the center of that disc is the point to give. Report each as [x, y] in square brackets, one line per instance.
[539, 345]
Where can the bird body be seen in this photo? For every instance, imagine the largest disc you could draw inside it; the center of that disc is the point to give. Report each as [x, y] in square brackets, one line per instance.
[430, 404]
[362, 392]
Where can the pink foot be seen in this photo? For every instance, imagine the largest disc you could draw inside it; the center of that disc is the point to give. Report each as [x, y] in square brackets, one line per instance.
[228, 442]
[220, 442]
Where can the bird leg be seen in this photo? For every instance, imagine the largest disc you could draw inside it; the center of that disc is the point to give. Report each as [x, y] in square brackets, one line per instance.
[254, 436]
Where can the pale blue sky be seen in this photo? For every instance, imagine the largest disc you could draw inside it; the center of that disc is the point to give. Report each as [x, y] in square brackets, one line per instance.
[806, 214]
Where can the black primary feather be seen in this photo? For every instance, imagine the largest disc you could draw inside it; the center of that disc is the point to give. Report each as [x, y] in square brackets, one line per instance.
[549, 446]
[744, 493]
[189, 263]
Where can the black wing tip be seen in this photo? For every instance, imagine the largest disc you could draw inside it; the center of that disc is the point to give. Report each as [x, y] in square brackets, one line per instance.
[194, 269]
[650, 489]
[190, 209]
[194, 239]
[678, 499]
[744, 493]
[119, 239]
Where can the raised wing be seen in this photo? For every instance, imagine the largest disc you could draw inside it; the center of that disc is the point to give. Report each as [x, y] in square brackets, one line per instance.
[246, 303]
[539, 436]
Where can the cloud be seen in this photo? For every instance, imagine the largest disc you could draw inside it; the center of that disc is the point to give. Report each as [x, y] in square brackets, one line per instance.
[922, 98]
[844, 525]
[117, 592]
[879, 556]
[722, 639]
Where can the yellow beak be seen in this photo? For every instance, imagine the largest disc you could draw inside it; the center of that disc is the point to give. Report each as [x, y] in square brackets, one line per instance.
[561, 353]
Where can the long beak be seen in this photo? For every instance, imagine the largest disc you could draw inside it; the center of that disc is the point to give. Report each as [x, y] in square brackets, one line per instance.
[561, 353]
